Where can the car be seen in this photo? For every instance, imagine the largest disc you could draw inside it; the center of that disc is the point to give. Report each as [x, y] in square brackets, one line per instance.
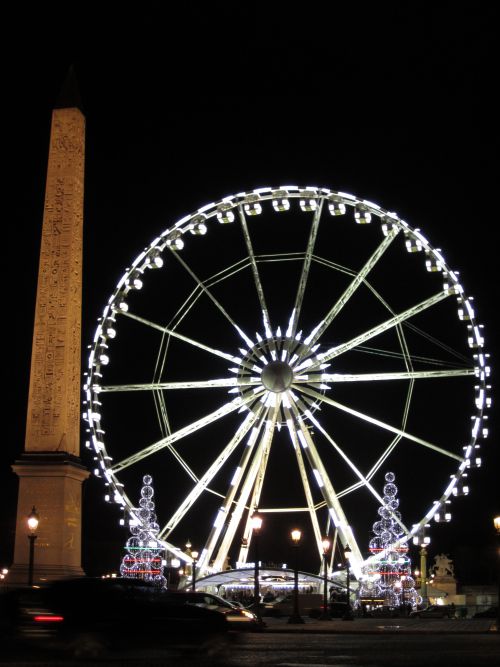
[238, 604]
[491, 612]
[434, 611]
[283, 605]
[86, 616]
[237, 617]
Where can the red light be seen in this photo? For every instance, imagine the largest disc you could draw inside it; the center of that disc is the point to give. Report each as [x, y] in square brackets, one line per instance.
[49, 619]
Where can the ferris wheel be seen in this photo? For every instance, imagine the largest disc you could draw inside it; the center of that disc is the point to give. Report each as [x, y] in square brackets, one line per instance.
[279, 350]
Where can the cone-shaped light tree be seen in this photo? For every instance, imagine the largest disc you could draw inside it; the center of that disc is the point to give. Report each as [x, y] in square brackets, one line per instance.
[144, 553]
[389, 578]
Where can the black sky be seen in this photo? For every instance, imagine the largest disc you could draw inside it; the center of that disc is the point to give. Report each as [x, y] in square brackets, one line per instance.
[392, 101]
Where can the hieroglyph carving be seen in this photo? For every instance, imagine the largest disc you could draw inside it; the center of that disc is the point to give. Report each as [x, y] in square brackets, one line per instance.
[53, 420]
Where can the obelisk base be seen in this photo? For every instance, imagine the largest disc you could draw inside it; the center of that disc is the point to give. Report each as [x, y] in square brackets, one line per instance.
[52, 482]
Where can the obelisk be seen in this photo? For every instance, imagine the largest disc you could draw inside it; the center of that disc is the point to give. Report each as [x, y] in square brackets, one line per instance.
[50, 471]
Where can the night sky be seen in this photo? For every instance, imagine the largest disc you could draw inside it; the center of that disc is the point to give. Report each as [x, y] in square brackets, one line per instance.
[390, 101]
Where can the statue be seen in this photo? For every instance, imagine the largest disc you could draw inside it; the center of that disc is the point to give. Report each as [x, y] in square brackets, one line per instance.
[443, 566]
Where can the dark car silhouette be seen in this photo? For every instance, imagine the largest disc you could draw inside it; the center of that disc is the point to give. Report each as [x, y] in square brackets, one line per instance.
[491, 612]
[434, 611]
[237, 617]
[89, 615]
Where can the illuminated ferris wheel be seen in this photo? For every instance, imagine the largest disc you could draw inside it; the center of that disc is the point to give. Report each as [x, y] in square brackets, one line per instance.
[279, 350]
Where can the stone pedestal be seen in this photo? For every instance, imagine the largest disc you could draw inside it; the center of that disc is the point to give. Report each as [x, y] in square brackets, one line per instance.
[447, 584]
[53, 483]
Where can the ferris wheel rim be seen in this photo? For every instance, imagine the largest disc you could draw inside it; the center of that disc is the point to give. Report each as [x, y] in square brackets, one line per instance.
[196, 223]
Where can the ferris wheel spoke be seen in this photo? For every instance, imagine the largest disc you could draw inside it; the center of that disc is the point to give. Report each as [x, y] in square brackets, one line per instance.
[186, 339]
[205, 480]
[351, 289]
[202, 286]
[376, 466]
[246, 489]
[192, 384]
[197, 292]
[325, 485]
[234, 486]
[363, 481]
[305, 483]
[182, 462]
[226, 409]
[381, 424]
[185, 308]
[371, 377]
[259, 480]
[292, 326]
[158, 396]
[371, 333]
[255, 273]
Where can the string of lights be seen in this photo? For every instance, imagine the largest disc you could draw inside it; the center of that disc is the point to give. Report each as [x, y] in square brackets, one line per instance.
[145, 554]
[389, 579]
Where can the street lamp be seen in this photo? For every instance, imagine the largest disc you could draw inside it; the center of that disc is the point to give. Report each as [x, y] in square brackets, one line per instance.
[256, 524]
[296, 617]
[325, 614]
[348, 612]
[194, 556]
[32, 526]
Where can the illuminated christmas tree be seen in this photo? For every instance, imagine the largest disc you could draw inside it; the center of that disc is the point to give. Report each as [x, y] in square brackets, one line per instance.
[389, 578]
[144, 556]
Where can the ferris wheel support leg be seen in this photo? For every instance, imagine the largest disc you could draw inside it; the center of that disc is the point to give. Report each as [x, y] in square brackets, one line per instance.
[214, 536]
[334, 546]
[242, 503]
[210, 474]
[259, 479]
[306, 485]
[327, 490]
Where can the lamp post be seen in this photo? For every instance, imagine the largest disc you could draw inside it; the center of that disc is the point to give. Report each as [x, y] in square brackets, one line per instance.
[496, 523]
[32, 526]
[256, 523]
[325, 615]
[348, 612]
[194, 556]
[422, 540]
[423, 574]
[296, 617]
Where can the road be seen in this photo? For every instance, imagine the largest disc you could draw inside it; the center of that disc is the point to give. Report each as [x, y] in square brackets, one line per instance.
[349, 650]
[292, 649]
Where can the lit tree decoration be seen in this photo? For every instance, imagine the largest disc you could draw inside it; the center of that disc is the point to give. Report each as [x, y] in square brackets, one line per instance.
[390, 578]
[144, 556]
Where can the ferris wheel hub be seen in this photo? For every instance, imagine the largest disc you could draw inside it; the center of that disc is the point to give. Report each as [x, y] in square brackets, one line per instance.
[277, 376]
